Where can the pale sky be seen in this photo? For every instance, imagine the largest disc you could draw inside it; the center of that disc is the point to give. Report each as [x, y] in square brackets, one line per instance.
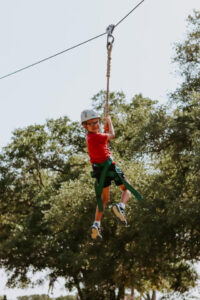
[31, 30]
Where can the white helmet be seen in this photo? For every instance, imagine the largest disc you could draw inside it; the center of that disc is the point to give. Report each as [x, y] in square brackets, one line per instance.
[88, 114]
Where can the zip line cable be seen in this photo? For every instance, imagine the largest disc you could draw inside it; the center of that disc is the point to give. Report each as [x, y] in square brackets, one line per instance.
[52, 56]
[73, 47]
[129, 13]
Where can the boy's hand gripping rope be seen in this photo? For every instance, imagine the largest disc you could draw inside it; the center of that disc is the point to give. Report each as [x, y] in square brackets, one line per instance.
[110, 41]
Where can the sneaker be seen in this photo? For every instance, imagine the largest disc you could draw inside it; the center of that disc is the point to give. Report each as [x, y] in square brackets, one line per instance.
[95, 232]
[119, 213]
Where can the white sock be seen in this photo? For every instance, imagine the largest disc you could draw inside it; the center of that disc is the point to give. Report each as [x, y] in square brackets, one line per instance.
[98, 223]
[122, 205]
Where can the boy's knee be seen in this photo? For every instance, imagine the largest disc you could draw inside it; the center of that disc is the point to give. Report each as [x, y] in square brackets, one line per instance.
[128, 192]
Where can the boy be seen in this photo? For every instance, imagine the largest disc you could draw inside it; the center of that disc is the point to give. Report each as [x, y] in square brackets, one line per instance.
[99, 153]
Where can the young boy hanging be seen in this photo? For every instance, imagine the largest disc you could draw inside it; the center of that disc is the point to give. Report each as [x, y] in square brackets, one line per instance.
[104, 169]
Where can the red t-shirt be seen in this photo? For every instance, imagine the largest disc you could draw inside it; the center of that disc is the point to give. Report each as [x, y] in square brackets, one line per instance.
[97, 144]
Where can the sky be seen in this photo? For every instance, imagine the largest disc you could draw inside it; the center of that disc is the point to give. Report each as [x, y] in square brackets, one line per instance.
[33, 30]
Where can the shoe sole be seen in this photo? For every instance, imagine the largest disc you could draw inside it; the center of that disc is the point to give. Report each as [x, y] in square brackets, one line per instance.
[95, 234]
[119, 216]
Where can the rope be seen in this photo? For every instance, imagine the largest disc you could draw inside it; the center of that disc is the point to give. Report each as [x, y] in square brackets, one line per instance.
[108, 80]
[61, 52]
[110, 41]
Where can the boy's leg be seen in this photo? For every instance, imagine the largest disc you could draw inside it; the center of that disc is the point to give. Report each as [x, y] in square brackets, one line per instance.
[125, 194]
[118, 209]
[96, 226]
[105, 196]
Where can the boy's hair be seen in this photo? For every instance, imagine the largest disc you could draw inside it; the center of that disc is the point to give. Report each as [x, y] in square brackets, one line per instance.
[88, 114]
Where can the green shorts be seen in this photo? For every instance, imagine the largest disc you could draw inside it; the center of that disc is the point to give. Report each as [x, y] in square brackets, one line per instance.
[115, 177]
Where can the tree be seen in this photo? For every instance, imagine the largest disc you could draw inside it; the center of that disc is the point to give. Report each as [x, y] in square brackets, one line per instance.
[188, 59]
[51, 215]
[34, 297]
[45, 297]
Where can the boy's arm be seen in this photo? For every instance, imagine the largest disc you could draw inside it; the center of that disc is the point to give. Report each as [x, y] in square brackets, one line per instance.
[109, 128]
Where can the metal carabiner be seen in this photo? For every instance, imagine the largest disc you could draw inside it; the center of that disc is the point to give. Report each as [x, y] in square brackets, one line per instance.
[110, 29]
[110, 37]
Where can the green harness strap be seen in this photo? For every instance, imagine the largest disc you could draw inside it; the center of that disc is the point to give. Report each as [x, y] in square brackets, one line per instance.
[127, 185]
[99, 185]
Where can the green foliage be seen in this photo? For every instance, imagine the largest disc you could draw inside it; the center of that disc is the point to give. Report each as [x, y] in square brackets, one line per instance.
[188, 59]
[66, 298]
[45, 297]
[34, 297]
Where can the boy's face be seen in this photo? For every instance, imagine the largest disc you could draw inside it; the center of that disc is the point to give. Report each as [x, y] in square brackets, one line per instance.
[93, 125]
